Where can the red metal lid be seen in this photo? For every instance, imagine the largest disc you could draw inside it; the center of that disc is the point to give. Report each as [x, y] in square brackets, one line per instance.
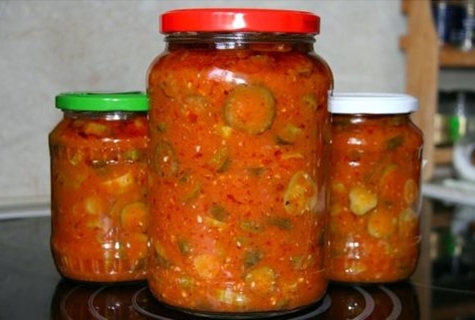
[239, 19]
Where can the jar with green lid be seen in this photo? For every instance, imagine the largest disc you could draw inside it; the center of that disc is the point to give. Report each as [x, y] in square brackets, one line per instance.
[239, 134]
[375, 182]
[99, 208]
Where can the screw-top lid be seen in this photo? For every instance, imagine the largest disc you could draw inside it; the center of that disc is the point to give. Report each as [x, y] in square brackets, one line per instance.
[239, 19]
[102, 101]
[372, 103]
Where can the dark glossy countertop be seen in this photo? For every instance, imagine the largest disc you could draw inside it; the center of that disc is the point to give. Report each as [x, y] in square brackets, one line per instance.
[443, 286]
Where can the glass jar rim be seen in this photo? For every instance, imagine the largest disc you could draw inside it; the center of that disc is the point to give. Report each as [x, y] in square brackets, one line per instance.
[239, 20]
[372, 103]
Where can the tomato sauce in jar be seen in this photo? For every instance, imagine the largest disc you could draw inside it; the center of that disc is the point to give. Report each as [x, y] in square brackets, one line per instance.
[239, 134]
[98, 187]
[376, 154]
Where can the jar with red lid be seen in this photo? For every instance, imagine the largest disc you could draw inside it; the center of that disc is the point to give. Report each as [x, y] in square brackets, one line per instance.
[239, 130]
[99, 210]
[375, 174]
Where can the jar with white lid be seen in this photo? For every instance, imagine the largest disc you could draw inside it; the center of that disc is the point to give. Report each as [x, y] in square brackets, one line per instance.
[375, 176]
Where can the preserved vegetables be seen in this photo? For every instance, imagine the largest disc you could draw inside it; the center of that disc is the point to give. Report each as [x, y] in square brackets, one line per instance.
[375, 188]
[238, 142]
[99, 189]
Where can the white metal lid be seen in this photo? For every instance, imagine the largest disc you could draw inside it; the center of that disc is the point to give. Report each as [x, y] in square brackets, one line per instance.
[371, 103]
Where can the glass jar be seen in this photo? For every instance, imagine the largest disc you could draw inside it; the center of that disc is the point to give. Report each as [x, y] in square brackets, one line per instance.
[239, 130]
[375, 178]
[99, 209]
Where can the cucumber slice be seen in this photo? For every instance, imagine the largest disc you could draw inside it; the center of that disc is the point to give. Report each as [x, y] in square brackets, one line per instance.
[194, 106]
[288, 134]
[362, 200]
[251, 226]
[219, 213]
[96, 129]
[132, 155]
[95, 205]
[411, 191]
[310, 100]
[184, 246]
[185, 282]
[134, 217]
[252, 257]
[394, 142]
[280, 222]
[408, 223]
[191, 193]
[231, 297]
[220, 161]
[301, 194]
[160, 257]
[261, 280]
[166, 160]
[381, 223]
[250, 109]
[207, 266]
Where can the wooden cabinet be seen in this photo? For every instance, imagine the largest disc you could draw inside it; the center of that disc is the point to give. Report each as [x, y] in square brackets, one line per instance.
[425, 58]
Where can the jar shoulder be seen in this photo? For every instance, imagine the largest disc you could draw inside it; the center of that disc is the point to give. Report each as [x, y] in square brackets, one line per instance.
[244, 60]
[84, 130]
[382, 133]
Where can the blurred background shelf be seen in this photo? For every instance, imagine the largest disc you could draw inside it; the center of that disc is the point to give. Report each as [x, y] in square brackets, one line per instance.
[443, 155]
[425, 60]
[451, 57]
[451, 191]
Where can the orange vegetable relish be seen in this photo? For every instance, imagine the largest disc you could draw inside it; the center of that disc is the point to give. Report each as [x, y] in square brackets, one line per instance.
[375, 189]
[238, 172]
[98, 180]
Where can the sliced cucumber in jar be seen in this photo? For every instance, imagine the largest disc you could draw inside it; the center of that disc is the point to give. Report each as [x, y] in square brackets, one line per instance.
[252, 257]
[288, 134]
[207, 266]
[261, 280]
[220, 161]
[134, 217]
[362, 200]
[250, 108]
[301, 194]
[166, 160]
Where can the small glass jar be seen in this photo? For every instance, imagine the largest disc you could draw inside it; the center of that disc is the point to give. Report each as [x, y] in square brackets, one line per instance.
[99, 208]
[375, 175]
[239, 134]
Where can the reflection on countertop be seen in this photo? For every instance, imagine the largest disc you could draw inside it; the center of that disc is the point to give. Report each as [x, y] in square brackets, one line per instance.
[443, 286]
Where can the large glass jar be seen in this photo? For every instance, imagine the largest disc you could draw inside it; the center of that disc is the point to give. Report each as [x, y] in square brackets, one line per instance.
[375, 179]
[99, 207]
[239, 129]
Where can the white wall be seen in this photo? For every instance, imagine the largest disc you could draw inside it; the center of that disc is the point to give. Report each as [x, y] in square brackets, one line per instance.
[47, 47]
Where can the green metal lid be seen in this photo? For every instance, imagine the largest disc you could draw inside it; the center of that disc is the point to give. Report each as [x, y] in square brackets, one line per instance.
[102, 101]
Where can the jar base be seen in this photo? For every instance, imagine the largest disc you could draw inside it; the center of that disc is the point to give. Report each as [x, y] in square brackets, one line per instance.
[90, 283]
[249, 315]
[364, 283]
[88, 270]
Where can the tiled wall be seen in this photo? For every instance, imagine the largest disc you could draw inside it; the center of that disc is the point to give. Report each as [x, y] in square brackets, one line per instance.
[47, 47]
